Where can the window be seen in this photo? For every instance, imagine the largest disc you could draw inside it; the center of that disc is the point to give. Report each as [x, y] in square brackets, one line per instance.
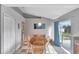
[39, 26]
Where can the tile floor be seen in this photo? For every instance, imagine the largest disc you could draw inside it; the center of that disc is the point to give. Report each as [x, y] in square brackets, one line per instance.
[49, 50]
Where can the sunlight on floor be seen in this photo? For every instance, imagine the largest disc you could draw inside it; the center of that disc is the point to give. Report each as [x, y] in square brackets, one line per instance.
[50, 50]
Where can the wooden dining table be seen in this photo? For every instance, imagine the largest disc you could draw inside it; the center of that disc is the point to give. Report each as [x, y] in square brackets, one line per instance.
[38, 44]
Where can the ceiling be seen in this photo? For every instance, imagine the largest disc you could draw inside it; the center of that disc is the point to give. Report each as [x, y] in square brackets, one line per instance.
[51, 11]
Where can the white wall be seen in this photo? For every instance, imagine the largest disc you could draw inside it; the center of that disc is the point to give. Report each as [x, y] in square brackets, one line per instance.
[11, 35]
[30, 26]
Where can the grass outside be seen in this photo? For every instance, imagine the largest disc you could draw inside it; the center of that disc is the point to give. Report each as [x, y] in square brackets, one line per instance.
[65, 34]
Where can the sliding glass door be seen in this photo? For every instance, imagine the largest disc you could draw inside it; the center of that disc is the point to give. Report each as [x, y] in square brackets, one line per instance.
[64, 34]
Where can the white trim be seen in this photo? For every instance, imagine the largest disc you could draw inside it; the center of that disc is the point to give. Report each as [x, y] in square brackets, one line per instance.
[66, 50]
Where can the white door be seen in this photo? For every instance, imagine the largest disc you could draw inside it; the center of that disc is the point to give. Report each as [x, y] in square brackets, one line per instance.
[9, 33]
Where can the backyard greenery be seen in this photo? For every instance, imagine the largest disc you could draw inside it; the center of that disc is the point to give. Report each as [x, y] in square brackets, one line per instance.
[66, 34]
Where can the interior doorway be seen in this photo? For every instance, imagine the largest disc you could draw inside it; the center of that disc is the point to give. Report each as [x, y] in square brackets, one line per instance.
[22, 33]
